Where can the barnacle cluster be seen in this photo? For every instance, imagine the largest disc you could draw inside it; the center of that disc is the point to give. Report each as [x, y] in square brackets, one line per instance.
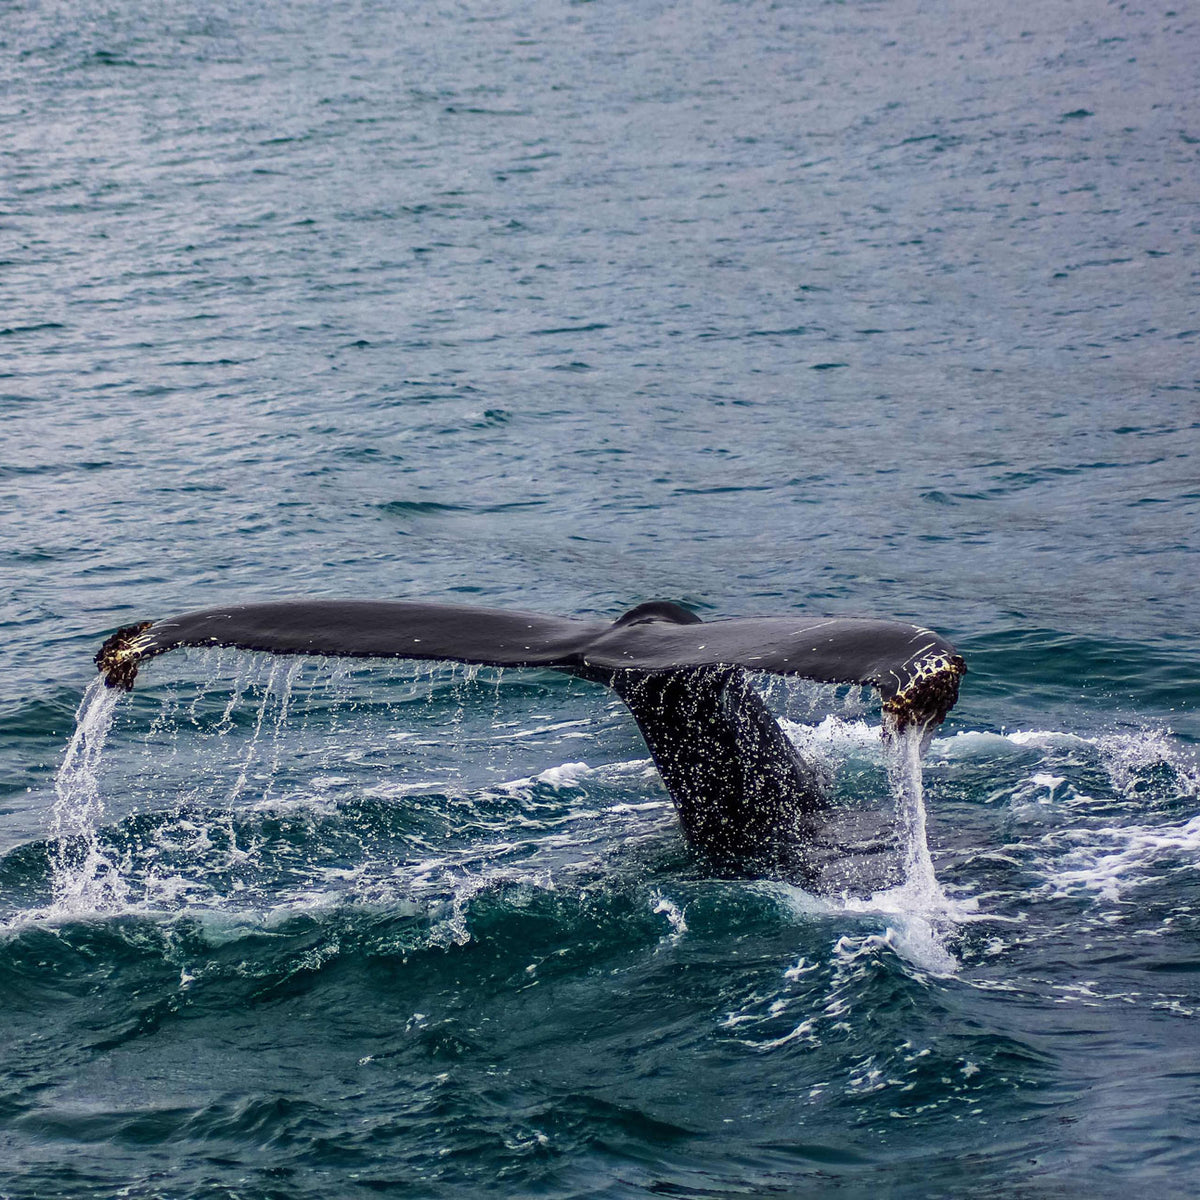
[928, 694]
[118, 658]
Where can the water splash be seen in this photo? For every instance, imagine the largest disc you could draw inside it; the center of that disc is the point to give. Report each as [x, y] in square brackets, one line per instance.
[84, 878]
[675, 916]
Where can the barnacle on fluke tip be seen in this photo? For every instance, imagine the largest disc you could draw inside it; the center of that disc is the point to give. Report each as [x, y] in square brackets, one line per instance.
[118, 658]
[929, 694]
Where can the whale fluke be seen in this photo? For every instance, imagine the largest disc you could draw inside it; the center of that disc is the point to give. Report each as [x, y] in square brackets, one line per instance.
[744, 795]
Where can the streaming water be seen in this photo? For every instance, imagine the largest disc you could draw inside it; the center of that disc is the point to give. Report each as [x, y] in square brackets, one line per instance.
[85, 878]
[903, 756]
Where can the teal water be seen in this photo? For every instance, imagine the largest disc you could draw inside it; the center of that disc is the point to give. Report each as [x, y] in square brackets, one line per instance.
[870, 308]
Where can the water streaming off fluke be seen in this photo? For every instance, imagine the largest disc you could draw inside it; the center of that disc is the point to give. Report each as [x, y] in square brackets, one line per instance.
[86, 879]
[302, 782]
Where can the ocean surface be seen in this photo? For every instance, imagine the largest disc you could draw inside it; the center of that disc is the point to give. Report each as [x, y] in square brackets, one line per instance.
[885, 307]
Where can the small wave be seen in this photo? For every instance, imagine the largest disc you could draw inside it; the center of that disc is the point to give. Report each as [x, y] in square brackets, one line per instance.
[1130, 758]
[567, 775]
[917, 923]
[1092, 816]
[1137, 762]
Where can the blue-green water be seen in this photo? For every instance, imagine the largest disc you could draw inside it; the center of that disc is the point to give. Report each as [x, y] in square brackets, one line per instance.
[877, 308]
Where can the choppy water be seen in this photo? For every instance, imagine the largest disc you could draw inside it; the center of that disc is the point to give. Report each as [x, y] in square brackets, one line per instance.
[879, 308]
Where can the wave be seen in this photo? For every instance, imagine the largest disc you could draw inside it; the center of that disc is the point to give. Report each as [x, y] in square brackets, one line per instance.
[299, 823]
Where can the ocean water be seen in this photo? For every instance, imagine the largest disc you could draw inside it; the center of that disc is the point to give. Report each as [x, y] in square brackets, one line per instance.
[885, 307]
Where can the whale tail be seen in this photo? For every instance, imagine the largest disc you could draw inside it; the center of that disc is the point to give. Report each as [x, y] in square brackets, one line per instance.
[744, 795]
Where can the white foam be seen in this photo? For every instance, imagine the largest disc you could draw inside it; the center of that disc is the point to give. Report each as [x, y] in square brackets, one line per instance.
[644, 806]
[674, 914]
[551, 727]
[1112, 861]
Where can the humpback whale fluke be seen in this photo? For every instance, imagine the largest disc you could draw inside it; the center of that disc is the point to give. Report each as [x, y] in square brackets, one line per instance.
[744, 795]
